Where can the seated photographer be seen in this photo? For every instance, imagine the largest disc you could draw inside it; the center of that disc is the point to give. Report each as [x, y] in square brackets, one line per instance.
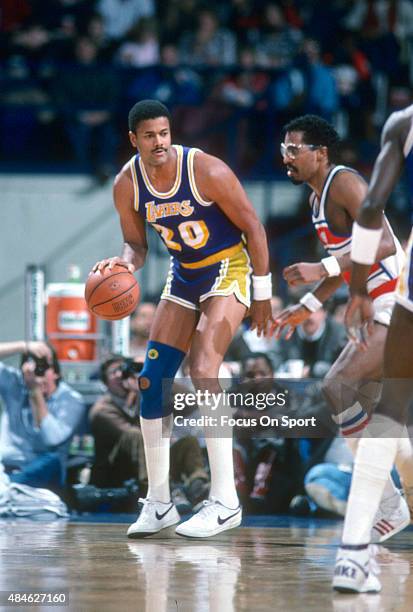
[40, 416]
[114, 420]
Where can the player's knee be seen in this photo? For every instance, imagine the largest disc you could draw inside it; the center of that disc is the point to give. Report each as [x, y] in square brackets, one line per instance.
[202, 369]
[155, 382]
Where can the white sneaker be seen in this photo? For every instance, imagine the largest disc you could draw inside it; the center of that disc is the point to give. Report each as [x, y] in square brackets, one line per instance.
[355, 571]
[392, 516]
[212, 518]
[408, 496]
[153, 517]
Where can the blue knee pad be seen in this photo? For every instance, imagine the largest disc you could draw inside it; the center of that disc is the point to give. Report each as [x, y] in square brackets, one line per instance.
[155, 381]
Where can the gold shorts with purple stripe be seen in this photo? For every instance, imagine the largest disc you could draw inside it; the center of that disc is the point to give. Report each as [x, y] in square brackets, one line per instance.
[225, 273]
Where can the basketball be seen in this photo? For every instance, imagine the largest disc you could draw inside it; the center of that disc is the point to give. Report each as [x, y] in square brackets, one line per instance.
[112, 294]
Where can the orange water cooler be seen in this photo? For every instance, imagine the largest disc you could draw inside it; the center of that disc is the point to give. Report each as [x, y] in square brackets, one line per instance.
[70, 326]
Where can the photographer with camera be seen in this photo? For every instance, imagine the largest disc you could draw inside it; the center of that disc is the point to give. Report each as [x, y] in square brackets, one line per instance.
[114, 420]
[40, 415]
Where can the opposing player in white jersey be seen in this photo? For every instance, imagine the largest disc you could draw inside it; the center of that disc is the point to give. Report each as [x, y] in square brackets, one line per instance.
[376, 454]
[352, 384]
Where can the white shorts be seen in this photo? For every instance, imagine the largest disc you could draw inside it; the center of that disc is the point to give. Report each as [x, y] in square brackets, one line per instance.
[383, 307]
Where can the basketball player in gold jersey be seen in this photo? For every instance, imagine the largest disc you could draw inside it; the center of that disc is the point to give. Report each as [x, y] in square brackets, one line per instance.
[202, 214]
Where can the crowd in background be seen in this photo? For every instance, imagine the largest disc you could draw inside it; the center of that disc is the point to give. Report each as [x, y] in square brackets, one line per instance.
[232, 72]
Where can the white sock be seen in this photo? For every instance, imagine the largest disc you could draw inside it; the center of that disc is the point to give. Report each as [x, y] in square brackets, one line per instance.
[156, 437]
[219, 446]
[374, 461]
[355, 419]
[390, 488]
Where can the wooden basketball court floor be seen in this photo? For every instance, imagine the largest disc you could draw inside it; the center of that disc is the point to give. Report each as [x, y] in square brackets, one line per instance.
[284, 567]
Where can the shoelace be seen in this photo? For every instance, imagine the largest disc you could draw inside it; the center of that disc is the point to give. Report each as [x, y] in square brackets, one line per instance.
[207, 507]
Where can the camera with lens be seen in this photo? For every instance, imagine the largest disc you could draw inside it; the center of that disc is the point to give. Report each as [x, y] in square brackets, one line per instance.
[129, 368]
[41, 365]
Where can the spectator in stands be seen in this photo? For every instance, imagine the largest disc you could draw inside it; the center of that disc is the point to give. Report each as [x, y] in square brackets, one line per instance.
[62, 17]
[141, 47]
[244, 19]
[209, 44]
[41, 414]
[177, 18]
[94, 29]
[278, 42]
[32, 41]
[87, 97]
[114, 421]
[317, 343]
[321, 96]
[376, 20]
[120, 15]
[140, 327]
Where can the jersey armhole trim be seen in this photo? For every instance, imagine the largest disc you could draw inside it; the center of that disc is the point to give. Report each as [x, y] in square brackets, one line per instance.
[191, 176]
[135, 185]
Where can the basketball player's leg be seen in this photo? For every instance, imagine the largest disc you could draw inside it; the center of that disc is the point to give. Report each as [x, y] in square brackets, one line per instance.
[219, 320]
[398, 391]
[170, 337]
[353, 387]
[346, 384]
[375, 458]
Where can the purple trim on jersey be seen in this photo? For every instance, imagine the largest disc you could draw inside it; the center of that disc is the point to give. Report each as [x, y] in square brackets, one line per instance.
[222, 233]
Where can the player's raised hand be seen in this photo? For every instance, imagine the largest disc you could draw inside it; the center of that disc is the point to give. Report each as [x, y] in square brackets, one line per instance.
[289, 318]
[304, 273]
[110, 262]
[359, 319]
[261, 316]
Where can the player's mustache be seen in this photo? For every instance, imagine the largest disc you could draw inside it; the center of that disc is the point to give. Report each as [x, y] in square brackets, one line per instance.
[159, 149]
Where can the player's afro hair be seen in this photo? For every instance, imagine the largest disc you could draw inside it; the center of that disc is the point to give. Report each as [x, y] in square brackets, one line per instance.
[317, 131]
[146, 109]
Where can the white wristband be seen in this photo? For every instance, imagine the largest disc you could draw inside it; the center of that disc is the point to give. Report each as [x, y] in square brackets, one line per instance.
[262, 287]
[310, 301]
[331, 265]
[365, 244]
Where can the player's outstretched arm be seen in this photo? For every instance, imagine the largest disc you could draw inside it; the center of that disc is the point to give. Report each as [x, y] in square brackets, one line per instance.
[216, 182]
[368, 229]
[133, 227]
